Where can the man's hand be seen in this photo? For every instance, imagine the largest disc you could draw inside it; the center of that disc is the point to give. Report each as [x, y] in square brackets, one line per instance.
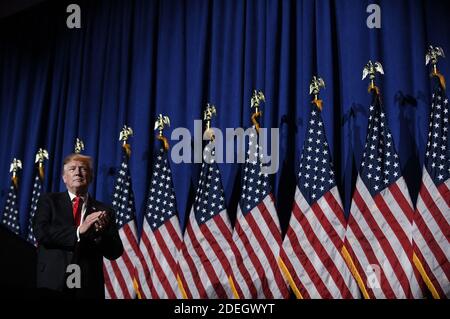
[89, 221]
[102, 222]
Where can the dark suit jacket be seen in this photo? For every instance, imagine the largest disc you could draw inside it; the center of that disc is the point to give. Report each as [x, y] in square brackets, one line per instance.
[58, 247]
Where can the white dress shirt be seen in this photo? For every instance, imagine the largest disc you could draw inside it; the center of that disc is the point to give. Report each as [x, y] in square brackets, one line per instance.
[85, 198]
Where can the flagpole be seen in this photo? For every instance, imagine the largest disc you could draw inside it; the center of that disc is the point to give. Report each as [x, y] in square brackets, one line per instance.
[370, 69]
[161, 122]
[433, 55]
[209, 112]
[314, 89]
[124, 134]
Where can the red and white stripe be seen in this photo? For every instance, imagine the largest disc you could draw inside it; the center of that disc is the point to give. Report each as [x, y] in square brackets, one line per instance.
[379, 242]
[432, 235]
[311, 248]
[257, 236]
[119, 273]
[157, 276]
[204, 258]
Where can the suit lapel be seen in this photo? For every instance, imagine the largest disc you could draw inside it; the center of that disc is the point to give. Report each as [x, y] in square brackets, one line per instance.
[91, 206]
[66, 207]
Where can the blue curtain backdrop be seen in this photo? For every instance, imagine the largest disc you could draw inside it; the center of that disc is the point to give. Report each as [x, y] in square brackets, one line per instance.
[134, 59]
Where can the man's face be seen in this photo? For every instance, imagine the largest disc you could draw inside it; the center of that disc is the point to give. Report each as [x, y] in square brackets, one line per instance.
[77, 177]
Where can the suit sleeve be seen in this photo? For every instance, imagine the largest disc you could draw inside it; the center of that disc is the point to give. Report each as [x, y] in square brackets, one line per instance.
[52, 235]
[110, 243]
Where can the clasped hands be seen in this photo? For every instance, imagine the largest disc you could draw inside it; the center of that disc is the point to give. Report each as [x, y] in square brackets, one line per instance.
[95, 222]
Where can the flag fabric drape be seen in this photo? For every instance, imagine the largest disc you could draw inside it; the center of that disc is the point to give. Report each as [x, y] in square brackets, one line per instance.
[119, 273]
[37, 191]
[205, 270]
[310, 256]
[10, 215]
[161, 236]
[257, 232]
[378, 242]
[432, 217]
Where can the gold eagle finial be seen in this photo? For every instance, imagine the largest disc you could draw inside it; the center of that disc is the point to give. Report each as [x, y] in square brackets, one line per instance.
[124, 134]
[432, 56]
[314, 88]
[209, 112]
[79, 146]
[41, 156]
[16, 165]
[161, 122]
[257, 98]
[371, 69]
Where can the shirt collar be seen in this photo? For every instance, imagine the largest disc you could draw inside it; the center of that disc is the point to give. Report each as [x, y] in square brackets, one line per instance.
[83, 197]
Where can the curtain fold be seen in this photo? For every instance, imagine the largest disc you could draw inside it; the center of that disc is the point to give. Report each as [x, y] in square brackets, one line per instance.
[132, 60]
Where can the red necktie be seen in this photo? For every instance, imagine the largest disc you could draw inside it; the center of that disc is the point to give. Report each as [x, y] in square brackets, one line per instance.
[77, 206]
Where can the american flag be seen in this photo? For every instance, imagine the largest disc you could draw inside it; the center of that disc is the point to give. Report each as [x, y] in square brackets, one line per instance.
[161, 236]
[310, 256]
[257, 232]
[11, 211]
[206, 251]
[37, 190]
[432, 216]
[378, 245]
[119, 273]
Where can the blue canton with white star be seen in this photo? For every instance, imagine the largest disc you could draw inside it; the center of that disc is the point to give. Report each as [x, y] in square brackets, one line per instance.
[380, 165]
[123, 197]
[37, 190]
[437, 156]
[209, 200]
[316, 175]
[161, 204]
[11, 212]
[255, 184]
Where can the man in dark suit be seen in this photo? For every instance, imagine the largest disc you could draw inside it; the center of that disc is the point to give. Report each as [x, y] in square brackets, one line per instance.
[74, 232]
